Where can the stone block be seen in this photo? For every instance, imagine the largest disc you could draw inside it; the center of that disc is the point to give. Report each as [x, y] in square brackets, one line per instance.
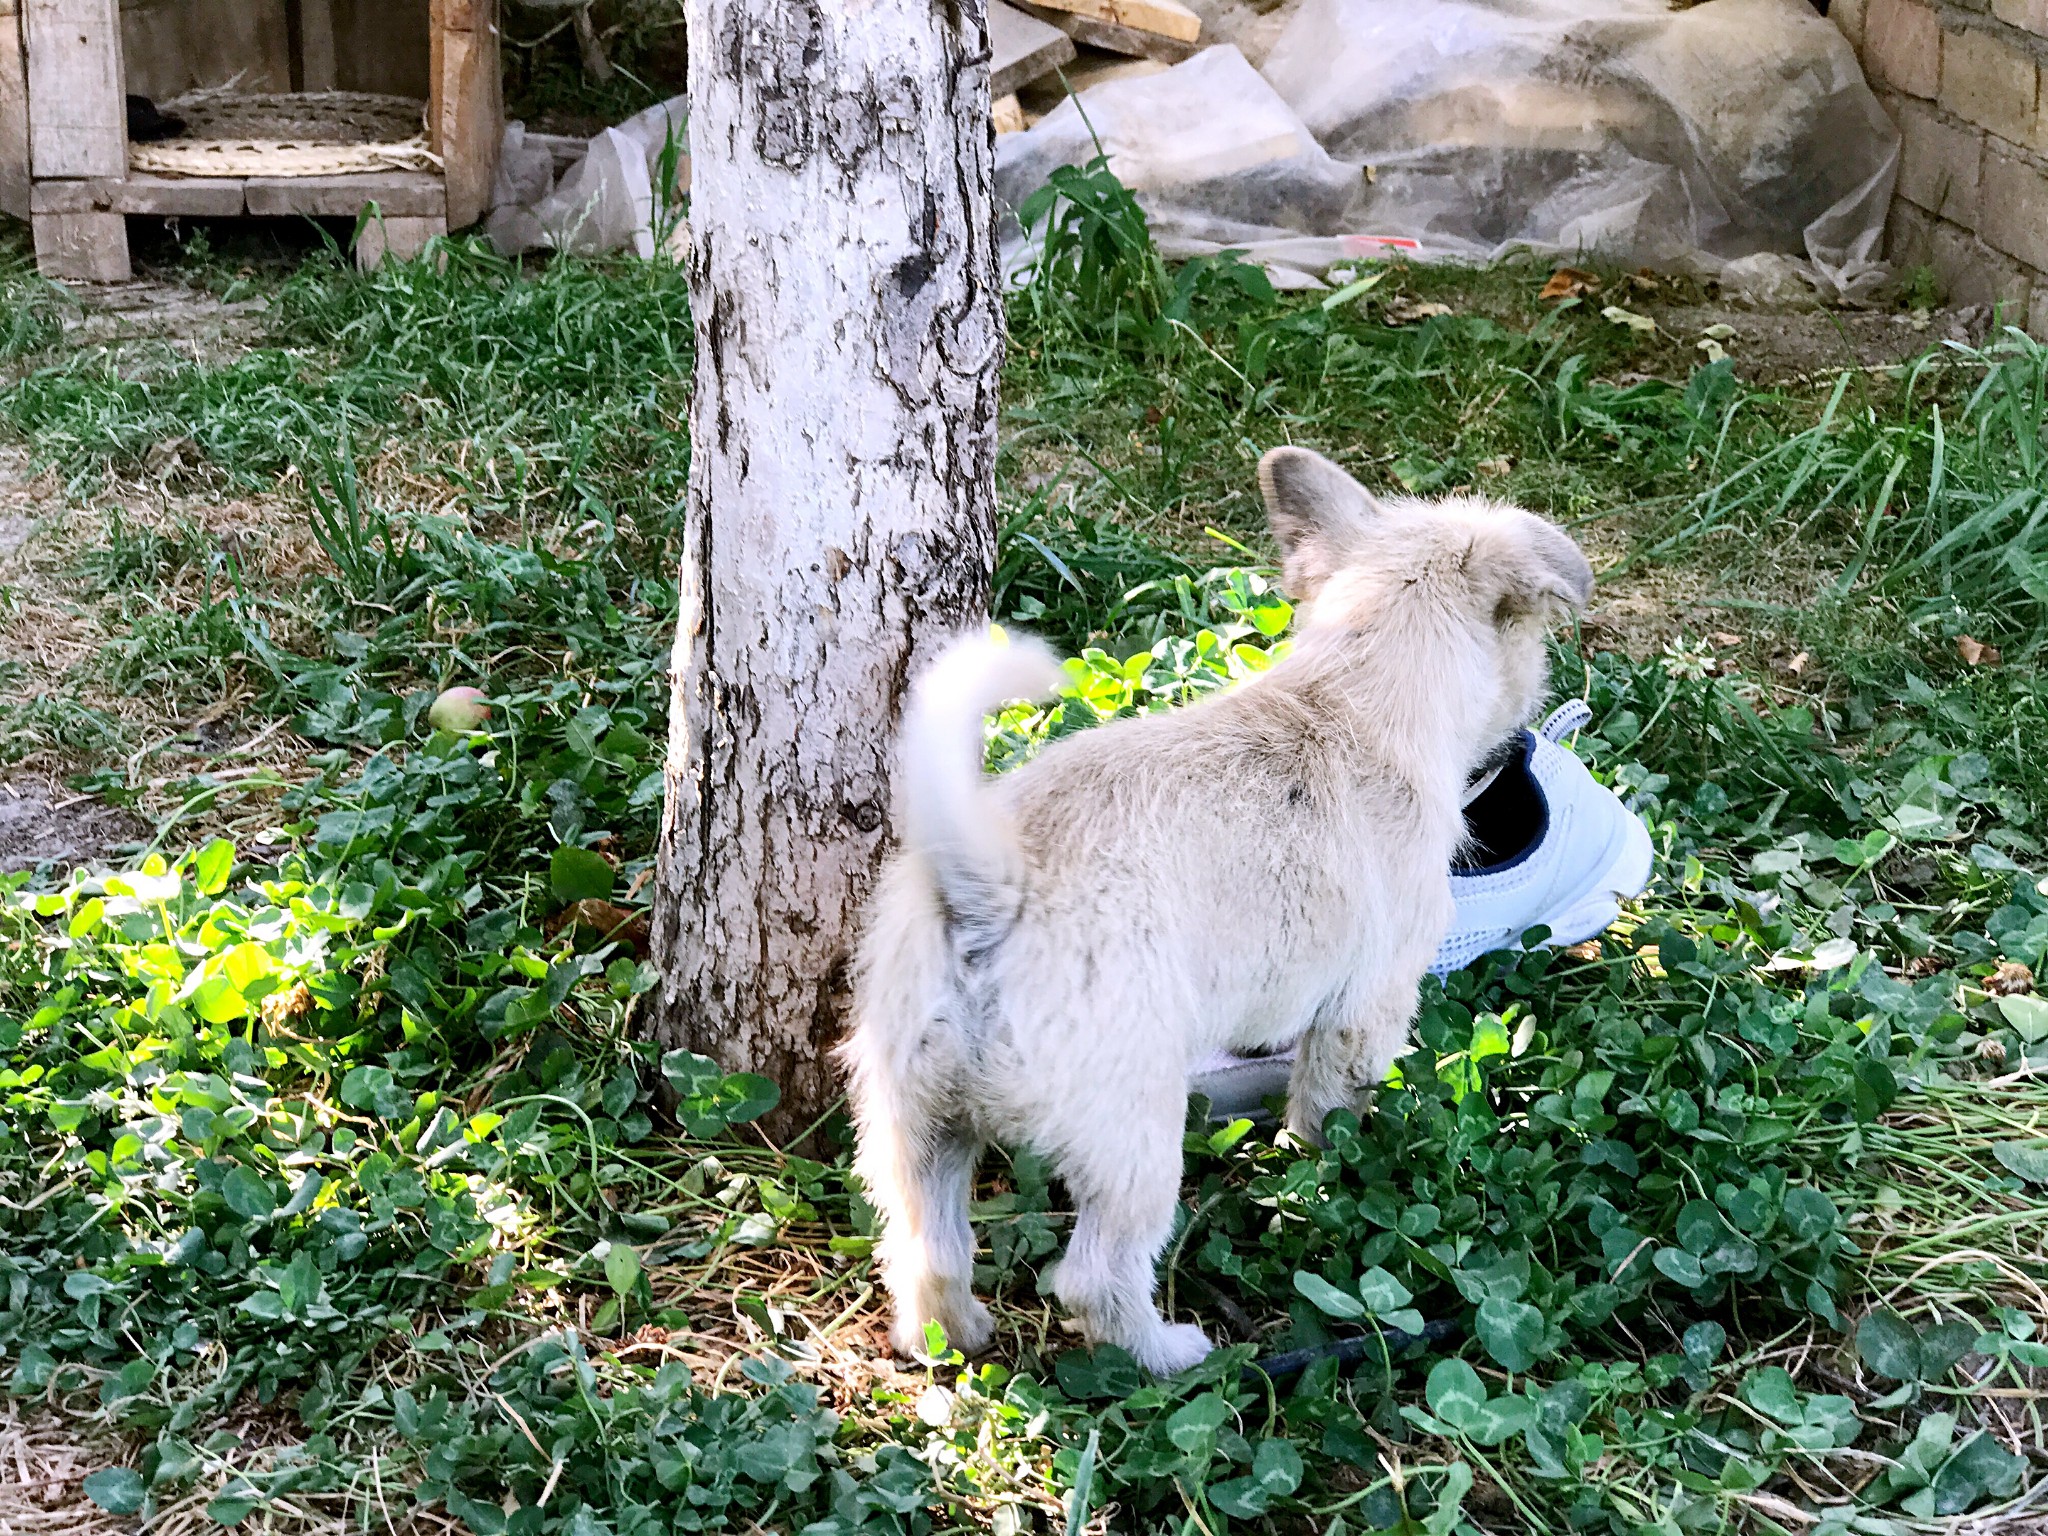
[1909, 236]
[1971, 273]
[1847, 15]
[1902, 46]
[2037, 310]
[1940, 162]
[1990, 81]
[2027, 15]
[2015, 207]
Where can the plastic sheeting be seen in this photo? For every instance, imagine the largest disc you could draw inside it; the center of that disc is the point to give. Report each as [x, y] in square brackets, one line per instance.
[604, 202]
[1211, 150]
[1725, 138]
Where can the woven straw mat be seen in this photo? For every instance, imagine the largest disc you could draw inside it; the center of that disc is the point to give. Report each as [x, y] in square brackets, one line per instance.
[314, 133]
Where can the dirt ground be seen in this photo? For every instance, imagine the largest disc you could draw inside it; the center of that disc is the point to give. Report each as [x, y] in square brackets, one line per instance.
[192, 322]
[1776, 346]
[41, 820]
[48, 625]
[43, 823]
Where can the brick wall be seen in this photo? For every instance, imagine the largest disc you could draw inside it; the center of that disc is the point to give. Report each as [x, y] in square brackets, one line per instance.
[1967, 83]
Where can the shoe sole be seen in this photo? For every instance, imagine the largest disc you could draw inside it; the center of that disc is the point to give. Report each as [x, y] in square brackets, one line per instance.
[1242, 1087]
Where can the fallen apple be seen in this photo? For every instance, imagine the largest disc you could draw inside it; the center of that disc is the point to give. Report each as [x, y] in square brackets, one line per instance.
[459, 710]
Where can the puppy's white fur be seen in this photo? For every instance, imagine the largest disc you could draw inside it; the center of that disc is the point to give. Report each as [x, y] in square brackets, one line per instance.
[1051, 952]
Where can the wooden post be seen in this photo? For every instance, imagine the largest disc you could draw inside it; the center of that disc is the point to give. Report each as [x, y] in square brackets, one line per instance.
[316, 45]
[78, 111]
[395, 238]
[466, 116]
[77, 128]
[13, 114]
[82, 247]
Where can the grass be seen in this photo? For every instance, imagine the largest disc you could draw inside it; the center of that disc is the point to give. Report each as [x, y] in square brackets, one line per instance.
[337, 1191]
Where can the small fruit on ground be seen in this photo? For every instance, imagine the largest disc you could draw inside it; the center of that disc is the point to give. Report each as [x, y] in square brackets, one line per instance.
[459, 709]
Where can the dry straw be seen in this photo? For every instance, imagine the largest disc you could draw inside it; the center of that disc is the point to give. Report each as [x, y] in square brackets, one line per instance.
[315, 133]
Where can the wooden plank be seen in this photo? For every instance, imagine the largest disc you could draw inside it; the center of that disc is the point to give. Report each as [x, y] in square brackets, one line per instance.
[382, 45]
[196, 197]
[1021, 48]
[13, 115]
[1097, 70]
[400, 194]
[1008, 115]
[316, 45]
[82, 247]
[467, 112]
[563, 149]
[78, 105]
[437, 67]
[395, 239]
[169, 47]
[1163, 18]
[1091, 69]
[1134, 42]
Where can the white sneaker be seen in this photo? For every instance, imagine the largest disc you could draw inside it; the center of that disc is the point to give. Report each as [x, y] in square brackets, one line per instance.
[1551, 848]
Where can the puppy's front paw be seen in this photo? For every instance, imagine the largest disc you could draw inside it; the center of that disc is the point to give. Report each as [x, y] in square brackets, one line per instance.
[972, 1329]
[1305, 1127]
[969, 1330]
[906, 1337]
[1174, 1348]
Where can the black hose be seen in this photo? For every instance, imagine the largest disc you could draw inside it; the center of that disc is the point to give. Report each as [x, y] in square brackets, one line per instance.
[1350, 1351]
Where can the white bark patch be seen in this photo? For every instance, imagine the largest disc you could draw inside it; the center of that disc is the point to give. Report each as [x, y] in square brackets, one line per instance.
[841, 517]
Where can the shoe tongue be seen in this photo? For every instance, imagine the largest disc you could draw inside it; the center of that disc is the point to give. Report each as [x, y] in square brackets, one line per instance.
[1572, 715]
[1505, 751]
[1480, 785]
[1504, 809]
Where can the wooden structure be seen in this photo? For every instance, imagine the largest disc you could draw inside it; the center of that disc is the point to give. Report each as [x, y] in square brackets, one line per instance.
[1040, 52]
[67, 67]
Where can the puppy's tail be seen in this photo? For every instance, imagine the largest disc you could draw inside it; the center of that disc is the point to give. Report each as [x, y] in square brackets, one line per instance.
[970, 848]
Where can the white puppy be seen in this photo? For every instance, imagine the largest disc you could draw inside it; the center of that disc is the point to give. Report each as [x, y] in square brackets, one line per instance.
[1052, 951]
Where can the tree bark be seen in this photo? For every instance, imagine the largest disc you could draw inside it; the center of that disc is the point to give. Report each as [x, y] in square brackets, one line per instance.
[841, 517]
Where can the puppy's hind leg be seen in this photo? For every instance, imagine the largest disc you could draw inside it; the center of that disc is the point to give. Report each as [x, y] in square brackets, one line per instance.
[909, 1085]
[918, 1168]
[927, 1247]
[1125, 1179]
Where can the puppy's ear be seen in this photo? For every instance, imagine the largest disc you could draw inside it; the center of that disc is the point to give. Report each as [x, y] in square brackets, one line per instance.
[1535, 568]
[1316, 512]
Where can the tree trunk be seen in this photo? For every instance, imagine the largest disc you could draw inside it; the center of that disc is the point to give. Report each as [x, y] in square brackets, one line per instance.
[841, 516]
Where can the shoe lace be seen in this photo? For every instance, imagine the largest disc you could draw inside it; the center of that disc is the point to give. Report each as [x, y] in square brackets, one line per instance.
[1572, 715]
